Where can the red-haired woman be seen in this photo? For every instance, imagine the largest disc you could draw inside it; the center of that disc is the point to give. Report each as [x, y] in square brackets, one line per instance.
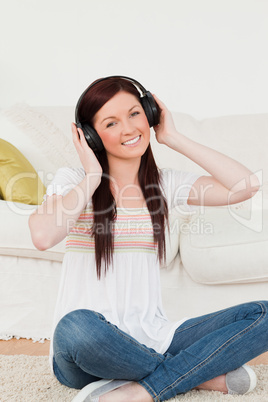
[112, 337]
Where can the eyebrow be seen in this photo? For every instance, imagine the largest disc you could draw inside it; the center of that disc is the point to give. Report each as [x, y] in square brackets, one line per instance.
[114, 117]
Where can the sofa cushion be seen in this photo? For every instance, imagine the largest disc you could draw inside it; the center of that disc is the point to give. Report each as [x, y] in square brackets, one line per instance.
[13, 133]
[19, 181]
[16, 237]
[41, 137]
[226, 245]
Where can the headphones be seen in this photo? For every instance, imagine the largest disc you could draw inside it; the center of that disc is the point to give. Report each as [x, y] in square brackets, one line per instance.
[147, 101]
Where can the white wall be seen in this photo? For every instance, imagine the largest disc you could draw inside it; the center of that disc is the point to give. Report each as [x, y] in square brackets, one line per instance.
[202, 57]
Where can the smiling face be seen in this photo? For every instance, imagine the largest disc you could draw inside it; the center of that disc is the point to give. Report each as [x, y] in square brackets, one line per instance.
[123, 127]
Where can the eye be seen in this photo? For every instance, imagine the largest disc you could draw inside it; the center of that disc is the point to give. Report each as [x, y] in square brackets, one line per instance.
[134, 114]
[111, 124]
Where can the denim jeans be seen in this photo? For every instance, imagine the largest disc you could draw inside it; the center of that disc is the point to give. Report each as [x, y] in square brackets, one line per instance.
[88, 348]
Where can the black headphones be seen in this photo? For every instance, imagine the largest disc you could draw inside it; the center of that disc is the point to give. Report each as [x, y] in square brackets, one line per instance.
[147, 101]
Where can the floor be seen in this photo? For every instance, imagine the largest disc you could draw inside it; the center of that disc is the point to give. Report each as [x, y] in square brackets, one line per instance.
[28, 347]
[24, 347]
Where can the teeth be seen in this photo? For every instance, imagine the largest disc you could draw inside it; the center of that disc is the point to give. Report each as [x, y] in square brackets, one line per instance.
[132, 141]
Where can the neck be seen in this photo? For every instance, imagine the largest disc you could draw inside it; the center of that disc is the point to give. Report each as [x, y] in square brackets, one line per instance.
[125, 172]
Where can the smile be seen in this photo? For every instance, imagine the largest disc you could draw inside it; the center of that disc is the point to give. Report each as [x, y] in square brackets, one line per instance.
[133, 141]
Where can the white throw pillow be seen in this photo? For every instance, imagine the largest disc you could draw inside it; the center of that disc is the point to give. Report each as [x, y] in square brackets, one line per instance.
[38, 138]
[18, 242]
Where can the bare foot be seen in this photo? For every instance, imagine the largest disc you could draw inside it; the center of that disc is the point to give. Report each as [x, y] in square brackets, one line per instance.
[216, 384]
[132, 392]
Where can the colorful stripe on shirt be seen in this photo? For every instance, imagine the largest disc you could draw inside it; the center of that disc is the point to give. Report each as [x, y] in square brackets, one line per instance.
[132, 233]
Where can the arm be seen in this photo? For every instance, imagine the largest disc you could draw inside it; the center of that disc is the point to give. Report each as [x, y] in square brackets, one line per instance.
[54, 219]
[230, 182]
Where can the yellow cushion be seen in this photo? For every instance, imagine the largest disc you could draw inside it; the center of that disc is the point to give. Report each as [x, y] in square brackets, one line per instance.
[19, 182]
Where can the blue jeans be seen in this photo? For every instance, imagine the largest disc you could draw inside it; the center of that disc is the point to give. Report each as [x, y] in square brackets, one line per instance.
[87, 348]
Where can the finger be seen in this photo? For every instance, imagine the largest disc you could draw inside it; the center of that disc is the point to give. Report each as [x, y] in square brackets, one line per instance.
[74, 131]
[159, 102]
[82, 137]
[73, 127]
[76, 137]
[84, 143]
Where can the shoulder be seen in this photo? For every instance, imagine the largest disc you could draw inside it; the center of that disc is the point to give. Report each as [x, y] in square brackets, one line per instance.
[64, 180]
[176, 185]
[70, 174]
[177, 177]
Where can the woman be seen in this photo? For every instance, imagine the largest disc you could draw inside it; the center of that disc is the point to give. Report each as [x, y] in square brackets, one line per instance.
[109, 320]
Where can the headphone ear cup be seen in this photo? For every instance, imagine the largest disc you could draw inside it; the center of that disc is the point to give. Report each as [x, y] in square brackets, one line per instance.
[92, 138]
[150, 108]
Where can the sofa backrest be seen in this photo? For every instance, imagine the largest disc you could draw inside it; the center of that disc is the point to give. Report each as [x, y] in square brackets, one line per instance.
[43, 134]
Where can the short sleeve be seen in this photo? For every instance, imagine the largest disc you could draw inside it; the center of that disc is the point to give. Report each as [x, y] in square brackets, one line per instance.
[64, 181]
[176, 186]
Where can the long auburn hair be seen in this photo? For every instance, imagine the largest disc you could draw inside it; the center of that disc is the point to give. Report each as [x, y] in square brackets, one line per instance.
[104, 206]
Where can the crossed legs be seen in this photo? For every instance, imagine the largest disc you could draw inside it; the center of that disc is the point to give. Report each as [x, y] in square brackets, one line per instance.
[88, 348]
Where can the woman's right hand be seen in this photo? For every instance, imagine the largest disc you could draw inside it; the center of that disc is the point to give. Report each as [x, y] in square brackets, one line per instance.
[87, 157]
[54, 219]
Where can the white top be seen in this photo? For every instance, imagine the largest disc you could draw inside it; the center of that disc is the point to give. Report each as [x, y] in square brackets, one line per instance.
[129, 296]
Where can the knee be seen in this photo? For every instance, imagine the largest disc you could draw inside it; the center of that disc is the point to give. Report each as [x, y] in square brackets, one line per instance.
[264, 307]
[260, 308]
[76, 326]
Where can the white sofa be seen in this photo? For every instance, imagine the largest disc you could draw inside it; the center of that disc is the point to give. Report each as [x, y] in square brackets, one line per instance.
[217, 257]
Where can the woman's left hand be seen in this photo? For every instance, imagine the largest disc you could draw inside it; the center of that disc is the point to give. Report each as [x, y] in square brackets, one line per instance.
[230, 182]
[165, 131]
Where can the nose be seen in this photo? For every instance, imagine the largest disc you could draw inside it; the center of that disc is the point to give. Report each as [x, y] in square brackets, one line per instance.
[127, 127]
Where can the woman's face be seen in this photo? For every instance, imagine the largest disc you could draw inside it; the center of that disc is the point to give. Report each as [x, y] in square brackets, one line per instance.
[123, 127]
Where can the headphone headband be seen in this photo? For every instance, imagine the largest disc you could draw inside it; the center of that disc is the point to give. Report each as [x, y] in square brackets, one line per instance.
[136, 83]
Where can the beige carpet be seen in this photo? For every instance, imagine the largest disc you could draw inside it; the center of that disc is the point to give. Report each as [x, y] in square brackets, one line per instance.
[28, 379]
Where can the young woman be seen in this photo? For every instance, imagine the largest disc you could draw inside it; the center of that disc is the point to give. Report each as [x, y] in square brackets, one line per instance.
[110, 328]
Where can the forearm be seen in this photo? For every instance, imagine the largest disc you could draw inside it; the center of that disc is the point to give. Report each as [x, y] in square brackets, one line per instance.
[53, 220]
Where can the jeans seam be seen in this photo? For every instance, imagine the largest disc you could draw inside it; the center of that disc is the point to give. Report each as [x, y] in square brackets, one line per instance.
[148, 388]
[134, 342]
[61, 353]
[179, 329]
[128, 338]
[58, 374]
[208, 359]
